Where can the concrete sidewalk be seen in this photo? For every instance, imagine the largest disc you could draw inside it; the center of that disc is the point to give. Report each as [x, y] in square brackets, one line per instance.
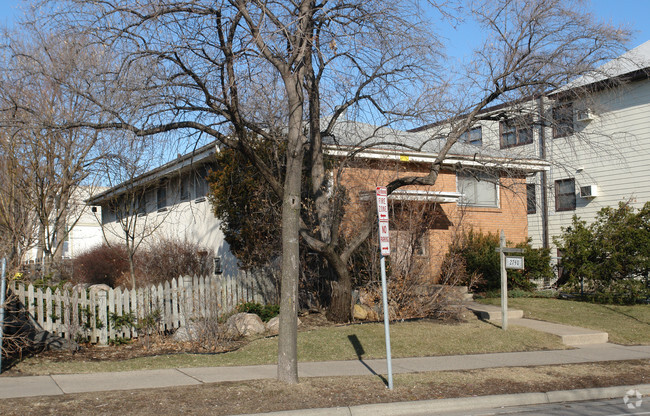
[78, 383]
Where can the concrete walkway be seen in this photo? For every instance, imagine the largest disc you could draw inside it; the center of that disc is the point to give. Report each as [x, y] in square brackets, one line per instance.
[79, 383]
[570, 335]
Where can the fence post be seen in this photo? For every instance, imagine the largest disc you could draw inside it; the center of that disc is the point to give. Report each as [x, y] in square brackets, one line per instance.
[175, 297]
[103, 318]
[186, 307]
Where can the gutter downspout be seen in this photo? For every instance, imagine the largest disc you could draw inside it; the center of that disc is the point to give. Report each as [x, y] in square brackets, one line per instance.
[544, 177]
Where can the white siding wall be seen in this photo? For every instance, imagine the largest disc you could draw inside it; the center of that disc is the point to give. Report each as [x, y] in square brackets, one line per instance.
[610, 151]
[190, 220]
[86, 232]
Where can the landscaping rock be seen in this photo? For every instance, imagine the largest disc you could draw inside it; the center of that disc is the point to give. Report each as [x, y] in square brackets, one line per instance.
[360, 313]
[372, 314]
[244, 324]
[99, 288]
[366, 298]
[186, 333]
[273, 325]
[49, 341]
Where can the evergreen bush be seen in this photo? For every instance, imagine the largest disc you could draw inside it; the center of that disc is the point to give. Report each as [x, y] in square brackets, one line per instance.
[482, 260]
[609, 259]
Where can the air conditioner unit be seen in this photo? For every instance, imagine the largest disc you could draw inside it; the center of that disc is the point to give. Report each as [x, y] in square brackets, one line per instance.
[588, 191]
[585, 115]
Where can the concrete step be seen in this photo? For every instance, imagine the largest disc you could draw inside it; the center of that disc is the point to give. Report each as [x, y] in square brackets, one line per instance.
[492, 313]
[468, 297]
[570, 335]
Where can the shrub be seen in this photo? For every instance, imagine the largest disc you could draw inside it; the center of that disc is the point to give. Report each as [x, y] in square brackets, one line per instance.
[167, 259]
[265, 312]
[609, 258]
[482, 265]
[101, 264]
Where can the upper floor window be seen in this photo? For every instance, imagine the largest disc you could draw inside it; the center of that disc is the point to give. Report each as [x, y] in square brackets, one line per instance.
[473, 137]
[563, 120]
[478, 189]
[516, 132]
[565, 195]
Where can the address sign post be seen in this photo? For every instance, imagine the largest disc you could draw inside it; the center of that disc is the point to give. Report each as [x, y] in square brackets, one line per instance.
[507, 262]
[384, 244]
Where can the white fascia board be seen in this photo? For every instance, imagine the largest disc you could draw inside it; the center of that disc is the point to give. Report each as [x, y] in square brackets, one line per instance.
[440, 197]
[153, 175]
[531, 165]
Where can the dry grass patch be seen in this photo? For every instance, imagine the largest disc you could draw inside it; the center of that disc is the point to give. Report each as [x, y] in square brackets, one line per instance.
[269, 395]
[409, 339]
[627, 325]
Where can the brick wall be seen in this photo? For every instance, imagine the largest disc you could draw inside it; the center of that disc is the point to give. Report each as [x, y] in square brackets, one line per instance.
[446, 220]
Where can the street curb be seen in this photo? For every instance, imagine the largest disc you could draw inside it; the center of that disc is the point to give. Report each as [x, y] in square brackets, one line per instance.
[428, 407]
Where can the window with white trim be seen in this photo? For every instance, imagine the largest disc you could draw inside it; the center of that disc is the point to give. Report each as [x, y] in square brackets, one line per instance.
[479, 189]
[565, 194]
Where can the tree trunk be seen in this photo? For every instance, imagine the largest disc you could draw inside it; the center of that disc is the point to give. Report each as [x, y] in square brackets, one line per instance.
[132, 270]
[288, 329]
[340, 309]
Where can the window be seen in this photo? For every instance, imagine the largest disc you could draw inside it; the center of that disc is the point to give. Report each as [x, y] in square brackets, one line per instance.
[141, 203]
[161, 196]
[185, 188]
[218, 266]
[478, 189]
[420, 246]
[563, 120]
[516, 132]
[473, 137]
[565, 195]
[200, 184]
[531, 198]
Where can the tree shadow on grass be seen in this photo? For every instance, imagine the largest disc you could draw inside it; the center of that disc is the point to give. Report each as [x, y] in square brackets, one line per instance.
[619, 312]
[358, 349]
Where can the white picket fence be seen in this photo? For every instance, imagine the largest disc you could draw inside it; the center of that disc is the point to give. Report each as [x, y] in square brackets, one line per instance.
[79, 313]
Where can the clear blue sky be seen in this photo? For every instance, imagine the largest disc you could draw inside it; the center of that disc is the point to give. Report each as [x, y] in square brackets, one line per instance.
[633, 13]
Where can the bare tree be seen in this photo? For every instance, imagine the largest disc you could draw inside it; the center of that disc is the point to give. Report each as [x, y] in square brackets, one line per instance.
[291, 72]
[50, 164]
[17, 224]
[130, 200]
[127, 207]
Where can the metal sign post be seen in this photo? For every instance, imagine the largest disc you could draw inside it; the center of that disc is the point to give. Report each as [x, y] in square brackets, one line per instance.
[507, 262]
[384, 243]
[3, 290]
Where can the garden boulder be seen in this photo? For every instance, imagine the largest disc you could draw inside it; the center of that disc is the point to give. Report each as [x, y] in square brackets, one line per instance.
[273, 325]
[244, 324]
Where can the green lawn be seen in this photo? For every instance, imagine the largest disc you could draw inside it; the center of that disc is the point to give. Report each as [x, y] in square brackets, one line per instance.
[409, 339]
[629, 325]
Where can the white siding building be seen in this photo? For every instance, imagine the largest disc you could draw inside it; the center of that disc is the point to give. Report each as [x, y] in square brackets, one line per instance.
[84, 229]
[594, 135]
[169, 202]
[598, 147]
